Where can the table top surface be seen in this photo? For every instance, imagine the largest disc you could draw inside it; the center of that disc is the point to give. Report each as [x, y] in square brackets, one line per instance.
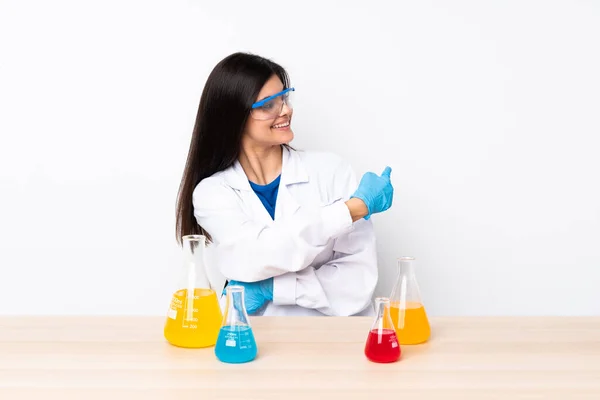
[301, 358]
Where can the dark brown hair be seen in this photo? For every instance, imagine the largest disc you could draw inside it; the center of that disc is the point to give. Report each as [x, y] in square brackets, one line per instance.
[230, 90]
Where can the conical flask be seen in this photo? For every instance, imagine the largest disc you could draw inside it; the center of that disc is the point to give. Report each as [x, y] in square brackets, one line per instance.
[382, 343]
[407, 309]
[194, 316]
[236, 343]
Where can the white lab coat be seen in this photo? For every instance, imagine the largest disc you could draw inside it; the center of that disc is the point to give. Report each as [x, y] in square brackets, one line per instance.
[322, 263]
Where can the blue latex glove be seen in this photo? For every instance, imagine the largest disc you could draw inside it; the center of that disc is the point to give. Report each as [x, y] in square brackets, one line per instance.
[376, 191]
[256, 293]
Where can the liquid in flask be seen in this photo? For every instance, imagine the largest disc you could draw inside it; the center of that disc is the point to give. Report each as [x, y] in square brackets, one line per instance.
[406, 308]
[382, 344]
[194, 315]
[236, 343]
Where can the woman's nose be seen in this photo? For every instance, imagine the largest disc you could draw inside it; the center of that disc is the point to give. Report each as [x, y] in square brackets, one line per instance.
[285, 110]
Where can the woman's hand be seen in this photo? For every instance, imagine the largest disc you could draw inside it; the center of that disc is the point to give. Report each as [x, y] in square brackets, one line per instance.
[255, 293]
[375, 191]
[358, 209]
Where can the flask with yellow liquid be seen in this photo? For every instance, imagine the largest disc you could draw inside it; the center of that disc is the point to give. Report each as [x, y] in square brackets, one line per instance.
[406, 307]
[194, 317]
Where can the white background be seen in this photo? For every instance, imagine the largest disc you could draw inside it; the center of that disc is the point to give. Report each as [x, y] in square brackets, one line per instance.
[488, 113]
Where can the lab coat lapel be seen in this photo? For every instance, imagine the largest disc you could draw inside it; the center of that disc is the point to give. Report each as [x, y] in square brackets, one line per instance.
[286, 203]
[259, 210]
[237, 179]
[292, 173]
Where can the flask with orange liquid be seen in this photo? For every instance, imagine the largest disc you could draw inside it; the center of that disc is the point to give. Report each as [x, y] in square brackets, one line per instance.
[194, 316]
[406, 307]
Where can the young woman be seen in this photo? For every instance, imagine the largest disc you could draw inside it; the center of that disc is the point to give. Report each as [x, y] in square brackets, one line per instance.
[290, 226]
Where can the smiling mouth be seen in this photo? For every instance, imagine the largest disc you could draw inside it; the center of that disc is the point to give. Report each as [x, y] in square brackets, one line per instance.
[282, 125]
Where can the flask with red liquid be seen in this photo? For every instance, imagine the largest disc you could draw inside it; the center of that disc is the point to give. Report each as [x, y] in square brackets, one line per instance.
[382, 344]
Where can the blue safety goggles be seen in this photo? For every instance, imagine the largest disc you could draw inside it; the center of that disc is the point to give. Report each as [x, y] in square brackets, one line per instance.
[271, 107]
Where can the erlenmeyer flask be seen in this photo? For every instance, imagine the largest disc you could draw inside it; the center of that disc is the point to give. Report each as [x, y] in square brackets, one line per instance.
[382, 344]
[236, 342]
[194, 316]
[407, 310]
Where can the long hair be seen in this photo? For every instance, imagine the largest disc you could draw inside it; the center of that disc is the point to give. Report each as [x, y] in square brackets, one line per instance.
[225, 104]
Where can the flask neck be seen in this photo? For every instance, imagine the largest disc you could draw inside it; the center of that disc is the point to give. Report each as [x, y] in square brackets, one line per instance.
[383, 320]
[193, 246]
[382, 305]
[406, 289]
[406, 266]
[235, 313]
[194, 266]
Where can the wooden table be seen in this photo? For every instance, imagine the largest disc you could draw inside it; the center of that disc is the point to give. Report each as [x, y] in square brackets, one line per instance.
[113, 358]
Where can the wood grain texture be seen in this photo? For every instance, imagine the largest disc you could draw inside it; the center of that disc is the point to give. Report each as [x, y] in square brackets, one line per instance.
[301, 358]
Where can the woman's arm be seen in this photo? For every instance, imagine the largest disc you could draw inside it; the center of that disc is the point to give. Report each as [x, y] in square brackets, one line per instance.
[341, 287]
[248, 250]
[344, 285]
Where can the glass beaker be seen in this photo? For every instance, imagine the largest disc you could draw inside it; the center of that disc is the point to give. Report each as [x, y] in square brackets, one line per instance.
[406, 308]
[194, 316]
[382, 344]
[236, 343]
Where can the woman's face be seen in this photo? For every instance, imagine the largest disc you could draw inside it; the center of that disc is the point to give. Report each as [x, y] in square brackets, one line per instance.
[275, 130]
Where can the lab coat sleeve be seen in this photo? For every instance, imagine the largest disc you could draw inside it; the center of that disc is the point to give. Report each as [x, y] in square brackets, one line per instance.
[343, 286]
[248, 250]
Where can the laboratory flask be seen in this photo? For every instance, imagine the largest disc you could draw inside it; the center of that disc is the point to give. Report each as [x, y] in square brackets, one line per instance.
[236, 343]
[194, 315]
[406, 308]
[382, 344]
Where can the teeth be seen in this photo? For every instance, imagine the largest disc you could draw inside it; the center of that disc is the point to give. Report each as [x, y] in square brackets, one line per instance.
[282, 125]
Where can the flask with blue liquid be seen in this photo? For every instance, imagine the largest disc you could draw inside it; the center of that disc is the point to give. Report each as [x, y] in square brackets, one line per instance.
[235, 343]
